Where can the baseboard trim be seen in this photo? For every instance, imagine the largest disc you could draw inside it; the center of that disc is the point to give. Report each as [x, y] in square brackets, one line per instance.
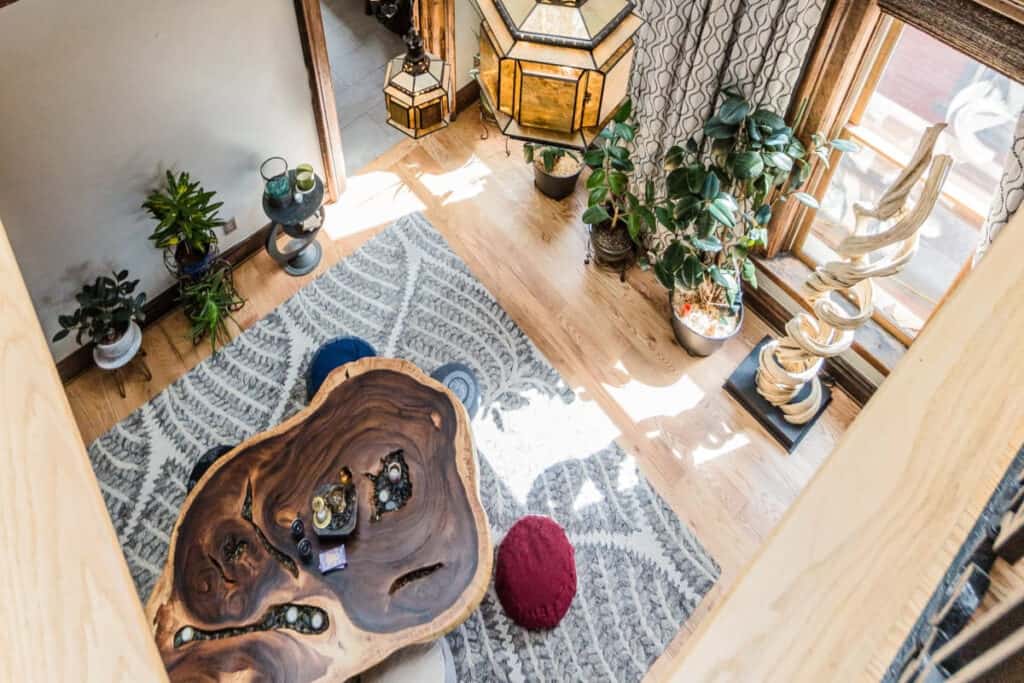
[162, 304]
[466, 96]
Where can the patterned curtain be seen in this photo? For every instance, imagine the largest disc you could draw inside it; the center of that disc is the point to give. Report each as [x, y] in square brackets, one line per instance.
[1010, 194]
[689, 50]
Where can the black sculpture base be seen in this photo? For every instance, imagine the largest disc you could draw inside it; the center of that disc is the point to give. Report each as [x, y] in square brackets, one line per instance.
[742, 384]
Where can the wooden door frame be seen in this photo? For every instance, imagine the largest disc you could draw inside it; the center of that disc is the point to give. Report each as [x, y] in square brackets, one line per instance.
[436, 21]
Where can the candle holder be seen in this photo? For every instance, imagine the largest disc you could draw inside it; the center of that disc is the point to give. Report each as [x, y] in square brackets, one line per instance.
[277, 184]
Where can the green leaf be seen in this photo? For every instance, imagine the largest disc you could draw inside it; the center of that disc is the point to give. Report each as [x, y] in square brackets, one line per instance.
[747, 165]
[624, 112]
[769, 118]
[550, 158]
[711, 186]
[597, 196]
[625, 132]
[665, 276]
[61, 335]
[664, 216]
[528, 153]
[617, 152]
[673, 158]
[596, 179]
[674, 256]
[677, 182]
[722, 212]
[649, 191]
[596, 215]
[781, 161]
[764, 214]
[691, 145]
[723, 278]
[692, 272]
[806, 200]
[594, 158]
[749, 273]
[718, 130]
[618, 182]
[734, 110]
[710, 244]
[845, 146]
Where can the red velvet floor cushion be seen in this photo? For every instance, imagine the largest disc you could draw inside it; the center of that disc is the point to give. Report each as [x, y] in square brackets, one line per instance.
[536, 573]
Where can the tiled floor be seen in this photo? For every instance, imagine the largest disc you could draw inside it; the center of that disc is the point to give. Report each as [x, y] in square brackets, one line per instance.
[359, 48]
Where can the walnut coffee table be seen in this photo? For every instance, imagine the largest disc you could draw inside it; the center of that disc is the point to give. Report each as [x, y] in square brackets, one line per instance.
[236, 602]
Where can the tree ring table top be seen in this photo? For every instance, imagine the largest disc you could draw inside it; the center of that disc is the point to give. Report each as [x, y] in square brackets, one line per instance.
[235, 598]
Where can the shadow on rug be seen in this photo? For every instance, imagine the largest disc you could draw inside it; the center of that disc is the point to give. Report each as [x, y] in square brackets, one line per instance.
[641, 572]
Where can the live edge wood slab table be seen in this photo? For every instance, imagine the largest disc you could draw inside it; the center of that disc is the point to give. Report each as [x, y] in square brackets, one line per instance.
[235, 601]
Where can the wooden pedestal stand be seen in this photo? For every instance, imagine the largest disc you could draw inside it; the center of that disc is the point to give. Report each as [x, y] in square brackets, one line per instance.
[221, 608]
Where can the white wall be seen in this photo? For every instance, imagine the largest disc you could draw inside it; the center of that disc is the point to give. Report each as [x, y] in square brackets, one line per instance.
[98, 97]
[467, 28]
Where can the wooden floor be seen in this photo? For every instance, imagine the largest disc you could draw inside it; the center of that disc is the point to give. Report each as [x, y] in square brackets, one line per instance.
[611, 341]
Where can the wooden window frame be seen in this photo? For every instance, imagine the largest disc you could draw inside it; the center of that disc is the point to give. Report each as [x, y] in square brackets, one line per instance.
[838, 79]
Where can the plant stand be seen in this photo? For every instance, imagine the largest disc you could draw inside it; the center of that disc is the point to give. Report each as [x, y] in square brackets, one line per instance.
[119, 370]
[303, 253]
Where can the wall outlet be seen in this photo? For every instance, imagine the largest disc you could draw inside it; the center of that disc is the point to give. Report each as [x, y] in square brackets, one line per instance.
[230, 226]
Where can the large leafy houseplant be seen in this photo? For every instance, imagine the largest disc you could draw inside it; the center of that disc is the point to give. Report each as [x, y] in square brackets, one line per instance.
[209, 303]
[720, 195]
[105, 311]
[186, 218]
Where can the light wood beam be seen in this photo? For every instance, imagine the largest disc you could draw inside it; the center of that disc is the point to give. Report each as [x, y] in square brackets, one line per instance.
[69, 610]
[836, 588]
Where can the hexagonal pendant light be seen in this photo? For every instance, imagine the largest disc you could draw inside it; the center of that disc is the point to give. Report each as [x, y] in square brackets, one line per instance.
[555, 71]
[414, 90]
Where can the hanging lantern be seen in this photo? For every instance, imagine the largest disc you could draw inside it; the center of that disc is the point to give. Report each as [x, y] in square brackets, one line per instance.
[555, 71]
[415, 94]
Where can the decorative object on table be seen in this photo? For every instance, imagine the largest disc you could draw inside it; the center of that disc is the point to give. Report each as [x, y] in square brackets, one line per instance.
[332, 559]
[718, 199]
[462, 382]
[392, 487]
[528, 413]
[187, 221]
[305, 548]
[277, 182]
[298, 529]
[555, 72]
[209, 303]
[305, 181]
[535, 573]
[332, 355]
[299, 220]
[555, 169]
[107, 317]
[204, 463]
[335, 512]
[427, 663]
[396, 15]
[784, 392]
[395, 591]
[415, 90]
[613, 212]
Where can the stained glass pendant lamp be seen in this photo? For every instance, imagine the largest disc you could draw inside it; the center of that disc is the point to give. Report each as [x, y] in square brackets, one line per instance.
[414, 91]
[555, 71]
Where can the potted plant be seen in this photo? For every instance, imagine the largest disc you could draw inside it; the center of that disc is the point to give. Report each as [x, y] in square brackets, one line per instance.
[209, 303]
[186, 218]
[616, 216]
[107, 315]
[718, 200]
[555, 169]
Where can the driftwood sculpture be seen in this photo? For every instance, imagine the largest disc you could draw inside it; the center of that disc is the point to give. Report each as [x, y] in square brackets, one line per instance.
[788, 364]
[236, 601]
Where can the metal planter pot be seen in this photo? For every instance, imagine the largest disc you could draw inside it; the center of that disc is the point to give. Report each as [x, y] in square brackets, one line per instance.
[695, 343]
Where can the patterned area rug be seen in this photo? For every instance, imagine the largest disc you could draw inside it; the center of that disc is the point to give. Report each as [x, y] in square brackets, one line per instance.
[542, 450]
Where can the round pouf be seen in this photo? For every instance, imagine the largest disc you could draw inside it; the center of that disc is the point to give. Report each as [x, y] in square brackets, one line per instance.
[536, 573]
[463, 383]
[332, 355]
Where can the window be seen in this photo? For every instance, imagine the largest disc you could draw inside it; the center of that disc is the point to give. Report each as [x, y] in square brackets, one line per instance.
[912, 81]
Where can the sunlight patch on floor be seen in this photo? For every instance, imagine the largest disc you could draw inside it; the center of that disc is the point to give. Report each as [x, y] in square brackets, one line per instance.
[369, 200]
[463, 183]
[644, 401]
[706, 453]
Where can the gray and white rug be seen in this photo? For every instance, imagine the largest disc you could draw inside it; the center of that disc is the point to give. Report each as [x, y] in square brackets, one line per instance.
[542, 450]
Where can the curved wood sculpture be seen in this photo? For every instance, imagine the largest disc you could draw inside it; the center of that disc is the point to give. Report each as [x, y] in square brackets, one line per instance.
[234, 600]
[786, 365]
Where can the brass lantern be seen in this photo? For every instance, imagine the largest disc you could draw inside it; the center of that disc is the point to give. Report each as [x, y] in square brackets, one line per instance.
[414, 91]
[555, 71]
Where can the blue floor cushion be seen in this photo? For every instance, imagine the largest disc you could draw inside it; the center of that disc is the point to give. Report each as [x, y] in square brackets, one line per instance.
[331, 355]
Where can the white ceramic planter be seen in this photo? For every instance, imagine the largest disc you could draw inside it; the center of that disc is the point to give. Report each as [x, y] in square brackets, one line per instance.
[118, 353]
